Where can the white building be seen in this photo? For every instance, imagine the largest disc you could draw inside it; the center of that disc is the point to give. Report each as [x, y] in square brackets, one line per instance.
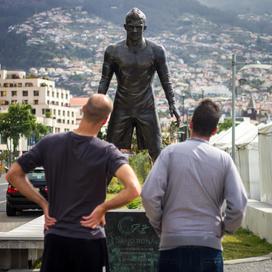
[50, 105]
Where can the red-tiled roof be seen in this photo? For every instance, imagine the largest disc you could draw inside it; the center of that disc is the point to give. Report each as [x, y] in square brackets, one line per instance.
[78, 101]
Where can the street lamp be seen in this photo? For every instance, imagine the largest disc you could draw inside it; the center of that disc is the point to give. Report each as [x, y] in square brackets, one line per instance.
[234, 74]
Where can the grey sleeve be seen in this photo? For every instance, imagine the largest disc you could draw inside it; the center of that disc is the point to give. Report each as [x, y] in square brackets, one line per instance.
[236, 199]
[154, 190]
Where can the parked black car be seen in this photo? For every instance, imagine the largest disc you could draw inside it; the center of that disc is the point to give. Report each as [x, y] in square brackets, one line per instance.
[17, 202]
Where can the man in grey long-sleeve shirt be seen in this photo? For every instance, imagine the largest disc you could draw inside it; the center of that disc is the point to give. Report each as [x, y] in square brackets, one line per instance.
[183, 197]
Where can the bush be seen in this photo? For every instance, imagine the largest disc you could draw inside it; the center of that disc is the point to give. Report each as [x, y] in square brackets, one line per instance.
[141, 164]
[115, 186]
[135, 203]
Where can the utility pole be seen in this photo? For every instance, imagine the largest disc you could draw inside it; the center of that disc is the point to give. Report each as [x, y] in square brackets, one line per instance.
[233, 64]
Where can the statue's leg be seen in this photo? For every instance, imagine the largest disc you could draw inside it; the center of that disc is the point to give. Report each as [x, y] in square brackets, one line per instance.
[148, 132]
[120, 129]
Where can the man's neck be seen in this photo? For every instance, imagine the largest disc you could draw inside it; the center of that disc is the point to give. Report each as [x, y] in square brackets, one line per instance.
[87, 129]
[200, 137]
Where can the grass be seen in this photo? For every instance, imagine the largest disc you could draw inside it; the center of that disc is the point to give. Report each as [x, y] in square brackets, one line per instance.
[244, 244]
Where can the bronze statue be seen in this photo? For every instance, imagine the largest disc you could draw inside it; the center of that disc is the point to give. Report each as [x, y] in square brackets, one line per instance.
[134, 61]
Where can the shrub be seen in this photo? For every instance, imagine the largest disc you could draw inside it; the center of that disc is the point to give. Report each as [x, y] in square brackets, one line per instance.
[135, 203]
[141, 164]
[115, 186]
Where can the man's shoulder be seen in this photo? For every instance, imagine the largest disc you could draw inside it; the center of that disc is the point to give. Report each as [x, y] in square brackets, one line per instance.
[188, 145]
[102, 144]
[54, 137]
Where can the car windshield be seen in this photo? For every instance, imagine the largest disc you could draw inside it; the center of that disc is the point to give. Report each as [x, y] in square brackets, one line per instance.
[36, 176]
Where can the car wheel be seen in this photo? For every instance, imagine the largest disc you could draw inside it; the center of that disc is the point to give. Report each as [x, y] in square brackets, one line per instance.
[10, 211]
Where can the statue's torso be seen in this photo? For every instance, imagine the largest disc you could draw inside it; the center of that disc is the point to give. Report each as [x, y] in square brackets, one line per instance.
[134, 71]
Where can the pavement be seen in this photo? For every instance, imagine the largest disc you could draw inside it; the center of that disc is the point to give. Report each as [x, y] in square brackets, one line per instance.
[255, 264]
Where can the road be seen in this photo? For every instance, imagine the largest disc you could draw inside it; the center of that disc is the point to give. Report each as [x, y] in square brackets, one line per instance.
[9, 223]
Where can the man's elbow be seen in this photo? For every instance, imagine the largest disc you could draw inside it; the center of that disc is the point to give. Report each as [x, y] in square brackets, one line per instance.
[10, 175]
[137, 190]
[13, 173]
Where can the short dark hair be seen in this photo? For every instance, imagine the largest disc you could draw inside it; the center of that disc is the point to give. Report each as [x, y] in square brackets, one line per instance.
[97, 109]
[135, 14]
[206, 117]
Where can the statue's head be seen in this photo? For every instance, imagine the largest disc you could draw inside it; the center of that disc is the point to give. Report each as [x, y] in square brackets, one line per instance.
[135, 14]
[135, 23]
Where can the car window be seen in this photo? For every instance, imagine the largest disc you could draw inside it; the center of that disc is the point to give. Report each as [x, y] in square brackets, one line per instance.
[36, 176]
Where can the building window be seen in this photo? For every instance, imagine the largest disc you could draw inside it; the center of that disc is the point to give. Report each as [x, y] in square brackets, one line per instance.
[72, 122]
[25, 93]
[36, 102]
[6, 85]
[36, 93]
[28, 84]
[63, 113]
[63, 121]
[33, 111]
[4, 102]
[68, 122]
[58, 112]
[62, 95]
[54, 111]
[66, 96]
[57, 95]
[3, 93]
[53, 94]
[72, 114]
[48, 93]
[13, 101]
[13, 93]
[25, 101]
[48, 102]
[20, 85]
[68, 113]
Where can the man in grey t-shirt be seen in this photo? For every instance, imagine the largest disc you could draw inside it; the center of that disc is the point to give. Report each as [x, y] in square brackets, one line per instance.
[183, 197]
[77, 166]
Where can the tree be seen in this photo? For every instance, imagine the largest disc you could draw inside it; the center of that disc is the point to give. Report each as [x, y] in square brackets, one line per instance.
[16, 123]
[225, 125]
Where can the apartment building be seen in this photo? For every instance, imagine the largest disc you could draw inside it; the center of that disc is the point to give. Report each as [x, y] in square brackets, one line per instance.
[50, 105]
